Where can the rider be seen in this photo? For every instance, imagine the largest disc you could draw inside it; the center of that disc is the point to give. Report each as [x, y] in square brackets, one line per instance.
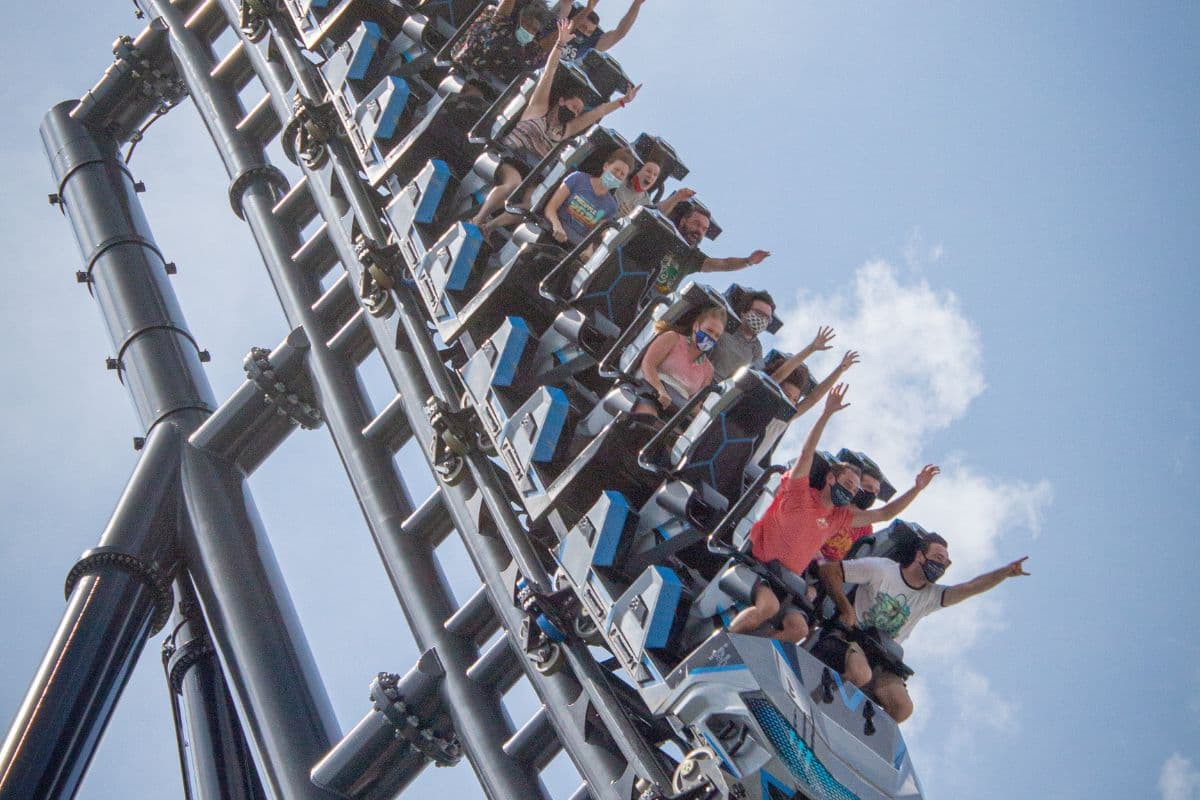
[893, 598]
[802, 517]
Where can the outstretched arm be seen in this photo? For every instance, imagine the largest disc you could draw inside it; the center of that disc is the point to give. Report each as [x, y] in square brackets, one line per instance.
[848, 361]
[988, 580]
[589, 118]
[732, 264]
[897, 506]
[539, 101]
[833, 405]
[610, 38]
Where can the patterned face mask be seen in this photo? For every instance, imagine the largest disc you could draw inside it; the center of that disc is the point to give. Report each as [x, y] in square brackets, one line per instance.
[756, 322]
[704, 342]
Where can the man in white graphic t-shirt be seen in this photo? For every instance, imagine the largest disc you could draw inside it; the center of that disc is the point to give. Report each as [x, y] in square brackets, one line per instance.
[892, 598]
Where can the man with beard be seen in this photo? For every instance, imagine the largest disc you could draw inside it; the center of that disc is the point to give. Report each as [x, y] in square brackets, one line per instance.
[692, 221]
[892, 598]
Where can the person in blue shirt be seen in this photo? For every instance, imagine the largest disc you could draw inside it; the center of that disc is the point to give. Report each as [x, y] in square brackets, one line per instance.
[585, 29]
[581, 201]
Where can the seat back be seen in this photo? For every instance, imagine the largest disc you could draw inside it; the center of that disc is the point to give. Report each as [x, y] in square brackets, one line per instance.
[583, 153]
[717, 446]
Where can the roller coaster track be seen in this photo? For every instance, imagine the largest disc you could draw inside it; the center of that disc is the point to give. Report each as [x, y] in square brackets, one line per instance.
[185, 551]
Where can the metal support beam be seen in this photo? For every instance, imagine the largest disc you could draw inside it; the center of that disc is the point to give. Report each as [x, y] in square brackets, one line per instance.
[215, 758]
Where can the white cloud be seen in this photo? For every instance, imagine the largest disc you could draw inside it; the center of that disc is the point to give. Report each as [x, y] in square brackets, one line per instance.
[1179, 779]
[921, 368]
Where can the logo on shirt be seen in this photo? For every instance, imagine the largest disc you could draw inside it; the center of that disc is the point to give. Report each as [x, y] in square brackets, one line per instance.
[668, 274]
[888, 614]
[583, 212]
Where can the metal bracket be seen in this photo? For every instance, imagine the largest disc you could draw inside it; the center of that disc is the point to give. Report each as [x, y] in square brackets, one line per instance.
[167, 89]
[254, 19]
[381, 266]
[308, 132]
[455, 434]
[100, 557]
[301, 411]
[445, 751]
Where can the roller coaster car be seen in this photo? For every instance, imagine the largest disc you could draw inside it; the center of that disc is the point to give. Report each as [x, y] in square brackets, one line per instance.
[320, 22]
[657, 149]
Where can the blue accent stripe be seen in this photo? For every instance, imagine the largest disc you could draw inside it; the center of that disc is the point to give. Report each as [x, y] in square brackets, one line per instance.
[659, 628]
[463, 261]
[902, 752]
[608, 536]
[552, 425]
[434, 190]
[725, 668]
[854, 699]
[392, 95]
[364, 51]
[789, 658]
[512, 348]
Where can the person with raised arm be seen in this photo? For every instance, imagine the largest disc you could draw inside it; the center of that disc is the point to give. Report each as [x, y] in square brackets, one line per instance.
[503, 41]
[546, 121]
[800, 519]
[586, 34]
[692, 222]
[892, 598]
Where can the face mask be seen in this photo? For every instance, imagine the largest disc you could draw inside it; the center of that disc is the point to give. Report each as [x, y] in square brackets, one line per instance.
[864, 499]
[933, 570]
[610, 181]
[756, 322]
[565, 115]
[524, 37]
[704, 342]
[840, 495]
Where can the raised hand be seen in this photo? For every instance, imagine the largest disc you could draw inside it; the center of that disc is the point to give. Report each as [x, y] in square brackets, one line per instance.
[630, 95]
[1016, 568]
[848, 360]
[822, 340]
[833, 403]
[926, 475]
[679, 195]
[757, 257]
[564, 32]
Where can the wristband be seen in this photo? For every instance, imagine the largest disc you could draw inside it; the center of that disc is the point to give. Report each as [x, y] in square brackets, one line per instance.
[622, 102]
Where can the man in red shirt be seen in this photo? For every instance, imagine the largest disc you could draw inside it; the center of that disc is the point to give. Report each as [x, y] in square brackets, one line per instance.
[838, 545]
[801, 518]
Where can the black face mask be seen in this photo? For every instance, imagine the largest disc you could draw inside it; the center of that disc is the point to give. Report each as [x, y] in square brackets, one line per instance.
[864, 499]
[840, 495]
[933, 570]
[565, 115]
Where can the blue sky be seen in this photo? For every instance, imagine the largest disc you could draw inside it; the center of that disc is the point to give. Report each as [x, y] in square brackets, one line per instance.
[998, 207]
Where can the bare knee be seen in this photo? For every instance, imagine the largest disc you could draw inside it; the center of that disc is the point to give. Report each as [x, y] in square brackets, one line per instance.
[766, 602]
[795, 628]
[858, 671]
[895, 700]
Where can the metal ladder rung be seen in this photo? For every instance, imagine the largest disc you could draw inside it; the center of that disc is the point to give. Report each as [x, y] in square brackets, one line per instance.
[390, 426]
[535, 743]
[235, 68]
[353, 340]
[476, 619]
[260, 123]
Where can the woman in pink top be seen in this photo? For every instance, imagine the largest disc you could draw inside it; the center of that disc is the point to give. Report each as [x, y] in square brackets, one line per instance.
[676, 363]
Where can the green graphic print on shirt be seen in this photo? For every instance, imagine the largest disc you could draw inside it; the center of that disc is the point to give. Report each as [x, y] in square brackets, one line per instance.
[889, 614]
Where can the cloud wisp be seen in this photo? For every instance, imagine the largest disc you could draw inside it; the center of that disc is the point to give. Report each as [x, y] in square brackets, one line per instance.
[1179, 779]
[921, 369]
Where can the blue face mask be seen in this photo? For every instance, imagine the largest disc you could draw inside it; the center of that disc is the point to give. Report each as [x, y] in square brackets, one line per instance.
[933, 570]
[524, 37]
[610, 181]
[704, 342]
[840, 495]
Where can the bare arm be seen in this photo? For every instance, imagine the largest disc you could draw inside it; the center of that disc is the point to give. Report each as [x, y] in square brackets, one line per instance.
[589, 118]
[988, 580]
[733, 264]
[539, 101]
[551, 210]
[821, 341]
[897, 506]
[610, 38]
[848, 361]
[833, 578]
[833, 405]
[652, 359]
[673, 199]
